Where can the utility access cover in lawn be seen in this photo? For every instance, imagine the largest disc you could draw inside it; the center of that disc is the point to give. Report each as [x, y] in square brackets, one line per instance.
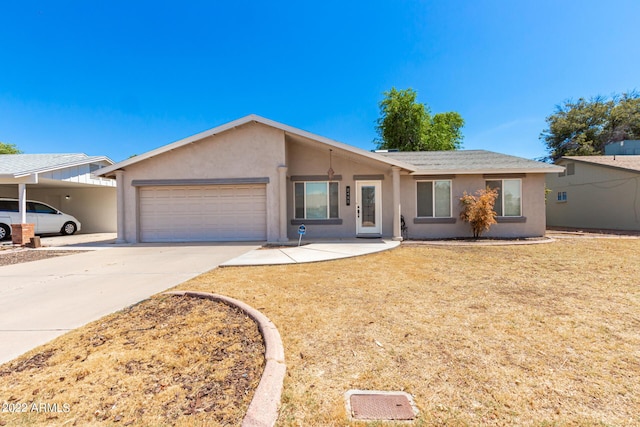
[380, 405]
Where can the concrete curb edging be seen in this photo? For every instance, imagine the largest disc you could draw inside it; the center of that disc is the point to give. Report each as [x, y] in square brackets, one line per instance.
[263, 409]
[489, 242]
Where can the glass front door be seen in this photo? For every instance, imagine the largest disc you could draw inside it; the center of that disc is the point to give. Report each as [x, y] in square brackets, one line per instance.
[368, 207]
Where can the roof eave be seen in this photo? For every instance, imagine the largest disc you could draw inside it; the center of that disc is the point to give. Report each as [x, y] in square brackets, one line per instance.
[108, 171]
[62, 166]
[606, 165]
[550, 169]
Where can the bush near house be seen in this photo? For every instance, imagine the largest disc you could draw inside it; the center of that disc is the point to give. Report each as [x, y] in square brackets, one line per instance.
[478, 211]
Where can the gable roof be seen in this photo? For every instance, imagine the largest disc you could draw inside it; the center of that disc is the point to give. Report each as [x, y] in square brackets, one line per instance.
[108, 171]
[19, 165]
[469, 162]
[428, 162]
[626, 162]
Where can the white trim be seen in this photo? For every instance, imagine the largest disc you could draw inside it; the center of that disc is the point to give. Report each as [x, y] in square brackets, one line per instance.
[561, 197]
[378, 206]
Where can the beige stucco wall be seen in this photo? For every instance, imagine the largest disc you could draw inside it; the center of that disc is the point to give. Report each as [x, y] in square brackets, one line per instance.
[597, 197]
[313, 159]
[255, 150]
[249, 151]
[532, 209]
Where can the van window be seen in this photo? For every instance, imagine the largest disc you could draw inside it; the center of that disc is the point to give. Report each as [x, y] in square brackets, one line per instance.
[9, 205]
[40, 208]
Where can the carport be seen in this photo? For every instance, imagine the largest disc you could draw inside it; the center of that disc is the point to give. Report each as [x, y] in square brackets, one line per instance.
[64, 181]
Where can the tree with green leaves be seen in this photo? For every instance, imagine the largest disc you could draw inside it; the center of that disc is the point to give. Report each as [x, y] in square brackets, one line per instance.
[407, 125]
[584, 127]
[9, 149]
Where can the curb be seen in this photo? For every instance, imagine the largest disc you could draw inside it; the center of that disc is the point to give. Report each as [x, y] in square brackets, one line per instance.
[488, 242]
[263, 409]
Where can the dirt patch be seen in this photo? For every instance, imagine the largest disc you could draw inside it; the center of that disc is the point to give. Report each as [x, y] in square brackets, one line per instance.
[8, 257]
[166, 361]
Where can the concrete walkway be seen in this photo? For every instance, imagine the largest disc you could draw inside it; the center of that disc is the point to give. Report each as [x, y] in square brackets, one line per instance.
[44, 299]
[312, 252]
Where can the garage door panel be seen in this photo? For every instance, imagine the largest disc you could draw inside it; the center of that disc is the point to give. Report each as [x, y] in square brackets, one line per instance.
[203, 213]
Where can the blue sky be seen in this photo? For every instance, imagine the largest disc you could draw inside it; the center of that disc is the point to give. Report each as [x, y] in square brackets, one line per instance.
[118, 78]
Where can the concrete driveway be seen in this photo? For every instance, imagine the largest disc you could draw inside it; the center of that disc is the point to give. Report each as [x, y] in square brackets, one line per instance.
[41, 300]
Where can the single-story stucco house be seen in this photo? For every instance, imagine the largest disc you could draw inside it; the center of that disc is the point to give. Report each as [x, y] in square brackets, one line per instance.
[257, 179]
[65, 181]
[596, 192]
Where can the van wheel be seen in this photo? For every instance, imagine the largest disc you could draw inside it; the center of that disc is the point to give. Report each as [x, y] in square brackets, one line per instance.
[68, 229]
[5, 232]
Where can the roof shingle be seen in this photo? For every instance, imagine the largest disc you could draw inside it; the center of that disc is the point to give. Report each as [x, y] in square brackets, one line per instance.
[468, 161]
[20, 164]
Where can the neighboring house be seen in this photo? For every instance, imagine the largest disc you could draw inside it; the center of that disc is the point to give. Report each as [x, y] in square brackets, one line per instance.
[257, 179]
[66, 182]
[598, 192]
[628, 147]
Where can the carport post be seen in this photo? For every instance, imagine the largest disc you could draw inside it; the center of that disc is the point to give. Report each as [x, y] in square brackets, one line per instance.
[22, 202]
[21, 233]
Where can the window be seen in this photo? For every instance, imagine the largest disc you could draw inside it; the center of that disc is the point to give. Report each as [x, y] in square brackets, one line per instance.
[562, 196]
[316, 200]
[433, 199]
[35, 207]
[9, 205]
[509, 200]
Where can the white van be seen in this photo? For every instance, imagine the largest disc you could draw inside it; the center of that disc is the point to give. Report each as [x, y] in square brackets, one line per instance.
[46, 218]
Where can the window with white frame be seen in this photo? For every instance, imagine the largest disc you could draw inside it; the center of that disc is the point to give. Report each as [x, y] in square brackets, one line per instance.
[316, 200]
[433, 199]
[562, 196]
[509, 200]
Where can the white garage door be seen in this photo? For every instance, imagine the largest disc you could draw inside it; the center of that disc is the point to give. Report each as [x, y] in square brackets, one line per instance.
[203, 213]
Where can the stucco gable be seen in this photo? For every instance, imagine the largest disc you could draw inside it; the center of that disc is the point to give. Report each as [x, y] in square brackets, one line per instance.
[109, 171]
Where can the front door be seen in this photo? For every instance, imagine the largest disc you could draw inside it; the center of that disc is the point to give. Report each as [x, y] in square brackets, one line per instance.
[368, 207]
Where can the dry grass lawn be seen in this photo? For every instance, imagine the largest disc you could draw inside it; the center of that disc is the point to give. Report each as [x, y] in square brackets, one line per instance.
[511, 335]
[541, 335]
[166, 361]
